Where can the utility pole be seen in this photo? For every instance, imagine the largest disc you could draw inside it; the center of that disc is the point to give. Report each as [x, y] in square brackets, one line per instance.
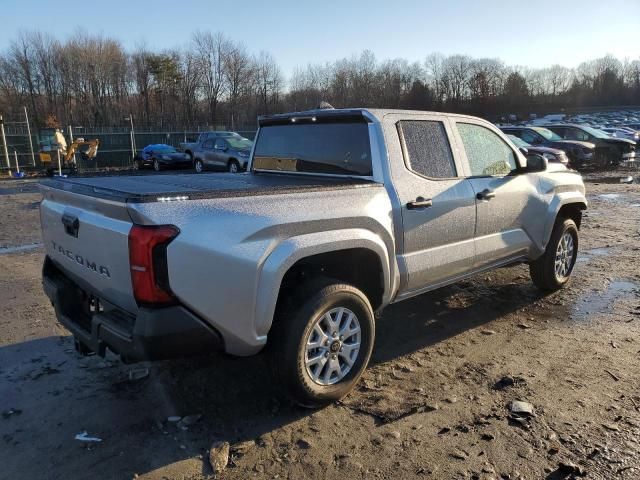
[133, 137]
[26, 119]
[59, 163]
[4, 144]
[71, 140]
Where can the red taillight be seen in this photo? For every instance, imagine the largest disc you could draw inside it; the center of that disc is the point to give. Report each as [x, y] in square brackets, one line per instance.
[148, 262]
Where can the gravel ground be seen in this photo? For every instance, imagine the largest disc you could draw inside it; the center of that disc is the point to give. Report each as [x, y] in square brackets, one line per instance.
[435, 402]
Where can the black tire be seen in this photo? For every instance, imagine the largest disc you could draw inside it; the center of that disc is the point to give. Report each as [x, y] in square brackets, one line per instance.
[156, 165]
[543, 270]
[233, 166]
[293, 326]
[198, 165]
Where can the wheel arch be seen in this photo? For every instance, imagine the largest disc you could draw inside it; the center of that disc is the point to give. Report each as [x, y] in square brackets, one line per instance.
[333, 254]
[564, 205]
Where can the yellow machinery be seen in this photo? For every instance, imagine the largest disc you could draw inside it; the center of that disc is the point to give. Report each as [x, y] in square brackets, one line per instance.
[90, 152]
[54, 149]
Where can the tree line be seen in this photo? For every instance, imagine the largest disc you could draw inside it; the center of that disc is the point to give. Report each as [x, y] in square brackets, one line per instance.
[92, 80]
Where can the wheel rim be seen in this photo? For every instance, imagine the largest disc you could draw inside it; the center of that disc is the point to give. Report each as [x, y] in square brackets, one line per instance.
[233, 167]
[564, 256]
[156, 165]
[198, 166]
[332, 346]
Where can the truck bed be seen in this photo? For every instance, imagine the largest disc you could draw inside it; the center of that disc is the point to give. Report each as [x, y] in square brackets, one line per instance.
[153, 188]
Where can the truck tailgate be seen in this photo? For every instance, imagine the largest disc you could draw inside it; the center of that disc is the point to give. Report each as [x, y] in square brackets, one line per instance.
[87, 237]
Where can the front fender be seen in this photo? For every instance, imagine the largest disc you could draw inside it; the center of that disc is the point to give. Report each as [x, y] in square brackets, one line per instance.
[559, 200]
[293, 249]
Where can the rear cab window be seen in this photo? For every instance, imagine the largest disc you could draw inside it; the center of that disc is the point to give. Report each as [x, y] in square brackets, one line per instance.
[322, 147]
[426, 148]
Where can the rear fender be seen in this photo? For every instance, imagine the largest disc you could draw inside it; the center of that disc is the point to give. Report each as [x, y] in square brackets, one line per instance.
[293, 249]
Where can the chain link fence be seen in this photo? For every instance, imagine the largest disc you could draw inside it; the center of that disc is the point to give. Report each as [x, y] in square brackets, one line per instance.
[114, 151]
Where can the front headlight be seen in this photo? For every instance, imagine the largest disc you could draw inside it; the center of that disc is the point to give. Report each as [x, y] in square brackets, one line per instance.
[549, 156]
[165, 157]
[243, 154]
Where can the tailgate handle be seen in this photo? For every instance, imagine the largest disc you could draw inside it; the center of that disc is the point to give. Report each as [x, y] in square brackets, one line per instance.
[71, 224]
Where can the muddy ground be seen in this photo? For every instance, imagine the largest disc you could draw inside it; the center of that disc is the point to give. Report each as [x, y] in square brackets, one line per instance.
[431, 405]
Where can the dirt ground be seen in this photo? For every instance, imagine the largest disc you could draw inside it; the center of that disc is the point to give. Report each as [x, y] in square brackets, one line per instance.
[433, 404]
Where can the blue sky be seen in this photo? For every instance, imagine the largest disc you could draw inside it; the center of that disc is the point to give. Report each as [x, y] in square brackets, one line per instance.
[536, 33]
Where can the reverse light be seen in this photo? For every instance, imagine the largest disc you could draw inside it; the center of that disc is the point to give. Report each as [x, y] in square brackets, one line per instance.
[148, 263]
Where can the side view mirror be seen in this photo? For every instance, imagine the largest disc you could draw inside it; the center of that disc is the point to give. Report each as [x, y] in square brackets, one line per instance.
[535, 163]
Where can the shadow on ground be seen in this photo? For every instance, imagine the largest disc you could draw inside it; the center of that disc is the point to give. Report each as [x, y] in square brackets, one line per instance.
[60, 394]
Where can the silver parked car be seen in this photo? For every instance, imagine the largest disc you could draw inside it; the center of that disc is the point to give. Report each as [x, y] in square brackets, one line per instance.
[222, 153]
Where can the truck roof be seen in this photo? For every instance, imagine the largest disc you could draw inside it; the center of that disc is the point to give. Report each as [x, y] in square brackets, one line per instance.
[363, 114]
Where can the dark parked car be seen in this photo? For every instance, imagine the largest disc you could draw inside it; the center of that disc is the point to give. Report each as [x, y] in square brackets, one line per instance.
[580, 153]
[222, 153]
[159, 156]
[551, 154]
[610, 151]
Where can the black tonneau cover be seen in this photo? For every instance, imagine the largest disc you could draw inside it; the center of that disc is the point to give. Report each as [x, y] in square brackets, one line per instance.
[154, 188]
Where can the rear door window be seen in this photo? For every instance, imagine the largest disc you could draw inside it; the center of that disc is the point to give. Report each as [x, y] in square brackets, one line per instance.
[426, 148]
[488, 154]
[324, 148]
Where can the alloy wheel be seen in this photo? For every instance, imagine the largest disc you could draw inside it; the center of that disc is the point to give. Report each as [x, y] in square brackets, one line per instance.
[332, 346]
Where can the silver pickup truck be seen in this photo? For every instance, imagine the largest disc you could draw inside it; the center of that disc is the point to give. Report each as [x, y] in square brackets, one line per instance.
[341, 213]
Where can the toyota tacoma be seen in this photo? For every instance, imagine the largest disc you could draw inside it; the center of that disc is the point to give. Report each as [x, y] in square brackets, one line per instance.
[341, 213]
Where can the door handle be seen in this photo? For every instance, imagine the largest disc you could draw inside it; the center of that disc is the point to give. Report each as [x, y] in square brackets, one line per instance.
[486, 194]
[419, 202]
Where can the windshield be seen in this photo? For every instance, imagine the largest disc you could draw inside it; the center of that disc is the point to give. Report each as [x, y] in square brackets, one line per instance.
[548, 134]
[239, 143]
[328, 148]
[518, 142]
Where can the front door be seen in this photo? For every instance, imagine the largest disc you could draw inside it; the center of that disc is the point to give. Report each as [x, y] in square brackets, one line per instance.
[208, 152]
[220, 150]
[507, 201]
[438, 205]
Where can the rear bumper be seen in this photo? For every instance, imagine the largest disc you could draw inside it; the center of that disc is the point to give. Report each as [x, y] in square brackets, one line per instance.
[151, 334]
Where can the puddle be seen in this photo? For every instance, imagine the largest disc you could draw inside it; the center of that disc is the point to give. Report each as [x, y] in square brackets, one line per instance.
[19, 248]
[586, 255]
[616, 198]
[603, 302]
[612, 197]
[599, 252]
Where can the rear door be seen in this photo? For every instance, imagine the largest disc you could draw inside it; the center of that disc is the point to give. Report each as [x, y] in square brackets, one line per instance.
[507, 202]
[437, 202]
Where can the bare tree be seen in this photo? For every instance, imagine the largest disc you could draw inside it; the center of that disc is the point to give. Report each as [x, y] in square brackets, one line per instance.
[239, 72]
[211, 49]
[268, 79]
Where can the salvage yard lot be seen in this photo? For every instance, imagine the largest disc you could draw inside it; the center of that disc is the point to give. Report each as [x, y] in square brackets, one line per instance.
[433, 404]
